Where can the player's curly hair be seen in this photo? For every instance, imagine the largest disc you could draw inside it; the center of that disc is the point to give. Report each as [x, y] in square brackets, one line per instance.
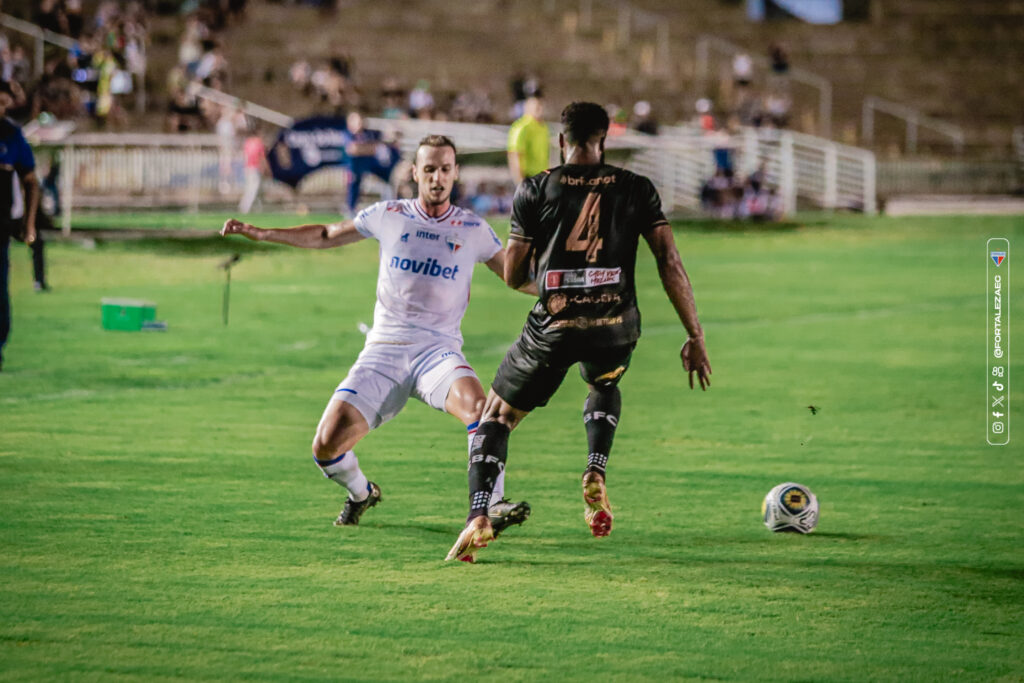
[437, 141]
[583, 120]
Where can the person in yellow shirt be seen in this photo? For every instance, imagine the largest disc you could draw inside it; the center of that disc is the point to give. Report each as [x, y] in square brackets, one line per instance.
[528, 142]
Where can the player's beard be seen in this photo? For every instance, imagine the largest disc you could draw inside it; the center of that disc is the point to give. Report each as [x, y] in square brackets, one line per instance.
[430, 201]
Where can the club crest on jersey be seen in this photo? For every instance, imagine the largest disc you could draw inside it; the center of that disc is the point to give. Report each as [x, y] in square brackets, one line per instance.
[453, 244]
[997, 257]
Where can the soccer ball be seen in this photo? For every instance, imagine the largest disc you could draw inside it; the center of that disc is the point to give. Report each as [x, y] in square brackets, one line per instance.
[790, 507]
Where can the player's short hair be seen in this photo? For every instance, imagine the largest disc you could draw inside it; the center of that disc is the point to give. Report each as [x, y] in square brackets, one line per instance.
[437, 141]
[583, 120]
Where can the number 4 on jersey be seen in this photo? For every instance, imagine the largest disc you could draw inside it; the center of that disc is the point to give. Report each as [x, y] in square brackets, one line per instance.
[584, 233]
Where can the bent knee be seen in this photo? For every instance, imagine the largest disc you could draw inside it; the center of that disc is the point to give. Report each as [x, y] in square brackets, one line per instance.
[333, 439]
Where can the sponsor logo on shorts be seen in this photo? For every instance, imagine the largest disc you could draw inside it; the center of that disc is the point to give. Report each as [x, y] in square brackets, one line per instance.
[428, 268]
[581, 277]
[582, 323]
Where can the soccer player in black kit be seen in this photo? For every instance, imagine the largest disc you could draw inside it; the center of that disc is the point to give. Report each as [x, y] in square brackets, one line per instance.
[578, 225]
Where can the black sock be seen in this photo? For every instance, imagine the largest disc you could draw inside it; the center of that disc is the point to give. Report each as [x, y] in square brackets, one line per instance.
[601, 416]
[486, 462]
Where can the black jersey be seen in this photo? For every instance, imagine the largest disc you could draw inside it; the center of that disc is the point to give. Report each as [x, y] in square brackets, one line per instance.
[584, 223]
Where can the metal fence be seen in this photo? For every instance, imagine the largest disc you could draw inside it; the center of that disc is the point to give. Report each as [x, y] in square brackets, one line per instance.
[194, 171]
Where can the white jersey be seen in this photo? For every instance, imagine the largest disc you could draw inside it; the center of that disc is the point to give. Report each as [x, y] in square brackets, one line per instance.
[426, 265]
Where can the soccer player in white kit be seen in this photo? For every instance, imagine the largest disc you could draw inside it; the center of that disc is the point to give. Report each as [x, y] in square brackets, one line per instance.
[428, 248]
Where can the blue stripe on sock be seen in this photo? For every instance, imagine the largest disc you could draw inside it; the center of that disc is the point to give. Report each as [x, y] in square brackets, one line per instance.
[473, 426]
[351, 391]
[321, 463]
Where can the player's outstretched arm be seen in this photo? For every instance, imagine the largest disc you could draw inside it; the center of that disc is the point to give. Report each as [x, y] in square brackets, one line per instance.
[313, 236]
[497, 265]
[677, 285]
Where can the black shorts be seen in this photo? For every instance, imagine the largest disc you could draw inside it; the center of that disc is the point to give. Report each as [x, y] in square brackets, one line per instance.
[529, 376]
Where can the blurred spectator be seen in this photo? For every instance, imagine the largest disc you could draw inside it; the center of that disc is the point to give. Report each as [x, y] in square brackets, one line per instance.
[254, 153]
[721, 143]
[392, 97]
[779, 79]
[183, 113]
[75, 20]
[490, 198]
[421, 101]
[618, 120]
[473, 106]
[19, 198]
[748, 110]
[15, 64]
[742, 69]
[705, 120]
[523, 87]
[300, 74]
[643, 119]
[190, 49]
[776, 109]
[779, 58]
[229, 124]
[49, 15]
[366, 152]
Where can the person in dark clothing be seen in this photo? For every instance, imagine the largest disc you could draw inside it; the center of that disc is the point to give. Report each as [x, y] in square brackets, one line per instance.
[19, 198]
[575, 231]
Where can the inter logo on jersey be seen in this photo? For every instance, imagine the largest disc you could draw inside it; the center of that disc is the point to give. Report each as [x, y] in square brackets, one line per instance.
[453, 244]
[997, 257]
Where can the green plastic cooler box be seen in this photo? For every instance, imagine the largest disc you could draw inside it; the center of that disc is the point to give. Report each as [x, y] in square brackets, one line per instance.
[127, 314]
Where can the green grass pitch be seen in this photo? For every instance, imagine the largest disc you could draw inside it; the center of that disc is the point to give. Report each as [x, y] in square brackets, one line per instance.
[162, 519]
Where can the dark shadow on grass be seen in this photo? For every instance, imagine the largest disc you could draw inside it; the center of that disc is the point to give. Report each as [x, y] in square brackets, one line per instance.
[715, 225]
[847, 536]
[208, 245]
[452, 531]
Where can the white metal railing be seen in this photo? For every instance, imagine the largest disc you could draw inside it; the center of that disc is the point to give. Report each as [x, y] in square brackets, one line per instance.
[192, 170]
[707, 45]
[914, 120]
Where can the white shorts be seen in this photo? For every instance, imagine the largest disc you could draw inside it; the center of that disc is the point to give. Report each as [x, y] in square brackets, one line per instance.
[386, 374]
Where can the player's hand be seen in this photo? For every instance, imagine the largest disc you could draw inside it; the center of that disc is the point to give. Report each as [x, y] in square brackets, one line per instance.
[235, 227]
[30, 235]
[695, 360]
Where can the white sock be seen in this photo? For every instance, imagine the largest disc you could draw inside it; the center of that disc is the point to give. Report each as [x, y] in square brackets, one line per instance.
[345, 471]
[499, 483]
[499, 488]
